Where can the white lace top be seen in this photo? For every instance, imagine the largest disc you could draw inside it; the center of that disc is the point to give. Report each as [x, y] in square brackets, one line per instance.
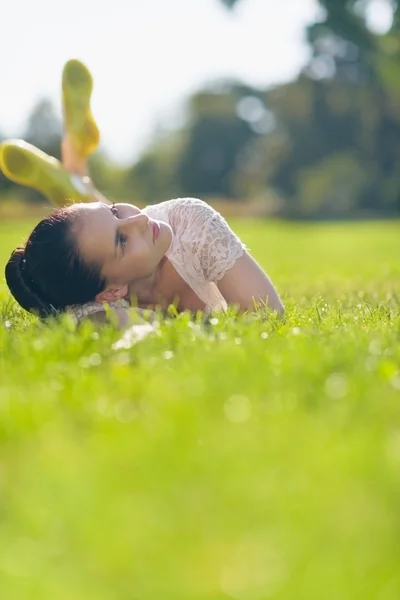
[203, 248]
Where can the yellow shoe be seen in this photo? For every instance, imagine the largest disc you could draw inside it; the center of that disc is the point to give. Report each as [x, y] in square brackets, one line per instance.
[23, 163]
[80, 126]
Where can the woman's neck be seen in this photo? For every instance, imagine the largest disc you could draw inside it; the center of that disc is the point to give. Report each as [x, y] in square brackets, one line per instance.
[145, 291]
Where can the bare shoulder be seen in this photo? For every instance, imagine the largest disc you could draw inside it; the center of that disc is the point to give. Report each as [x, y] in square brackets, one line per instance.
[192, 213]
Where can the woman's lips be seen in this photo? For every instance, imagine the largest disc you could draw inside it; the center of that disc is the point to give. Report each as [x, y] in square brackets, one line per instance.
[156, 231]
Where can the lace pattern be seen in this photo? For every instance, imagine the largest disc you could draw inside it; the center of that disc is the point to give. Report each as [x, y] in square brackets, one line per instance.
[206, 244]
[82, 311]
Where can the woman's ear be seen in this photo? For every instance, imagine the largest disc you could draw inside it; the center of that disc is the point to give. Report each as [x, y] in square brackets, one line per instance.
[112, 293]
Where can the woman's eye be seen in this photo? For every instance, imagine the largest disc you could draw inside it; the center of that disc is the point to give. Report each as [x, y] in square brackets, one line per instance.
[123, 240]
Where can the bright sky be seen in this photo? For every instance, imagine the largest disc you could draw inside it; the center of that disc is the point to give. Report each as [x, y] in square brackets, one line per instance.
[146, 56]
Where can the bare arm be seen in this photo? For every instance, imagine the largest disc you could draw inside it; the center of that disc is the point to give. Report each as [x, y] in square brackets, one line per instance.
[246, 283]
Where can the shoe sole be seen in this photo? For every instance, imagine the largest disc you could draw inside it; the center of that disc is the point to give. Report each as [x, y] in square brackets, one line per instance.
[81, 128]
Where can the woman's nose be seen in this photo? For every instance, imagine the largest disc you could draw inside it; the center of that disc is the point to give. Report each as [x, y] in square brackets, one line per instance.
[140, 221]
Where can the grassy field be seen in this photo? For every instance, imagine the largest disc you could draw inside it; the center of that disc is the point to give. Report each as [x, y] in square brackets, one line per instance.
[241, 458]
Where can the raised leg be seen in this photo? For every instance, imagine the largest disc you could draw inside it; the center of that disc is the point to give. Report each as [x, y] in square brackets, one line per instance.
[66, 183]
[80, 126]
[81, 134]
[27, 165]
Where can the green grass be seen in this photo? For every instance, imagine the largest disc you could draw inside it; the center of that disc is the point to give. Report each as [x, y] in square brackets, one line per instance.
[242, 459]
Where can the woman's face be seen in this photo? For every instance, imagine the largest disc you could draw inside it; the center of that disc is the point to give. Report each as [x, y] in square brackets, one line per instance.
[126, 243]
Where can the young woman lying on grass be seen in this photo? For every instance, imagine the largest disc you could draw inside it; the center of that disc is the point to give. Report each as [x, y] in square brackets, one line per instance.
[90, 252]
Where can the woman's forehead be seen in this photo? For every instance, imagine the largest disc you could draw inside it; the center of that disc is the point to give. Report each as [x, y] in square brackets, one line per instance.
[95, 231]
[88, 208]
[93, 218]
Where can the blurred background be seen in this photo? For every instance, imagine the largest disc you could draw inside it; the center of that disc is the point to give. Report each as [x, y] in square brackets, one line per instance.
[261, 107]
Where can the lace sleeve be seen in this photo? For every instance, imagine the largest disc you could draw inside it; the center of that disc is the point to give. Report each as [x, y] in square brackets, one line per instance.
[206, 238]
[80, 312]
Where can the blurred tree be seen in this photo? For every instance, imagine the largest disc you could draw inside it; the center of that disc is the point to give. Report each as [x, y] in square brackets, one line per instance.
[342, 35]
[229, 3]
[207, 156]
[340, 117]
[346, 50]
[44, 129]
[218, 133]
[328, 141]
[154, 177]
[107, 176]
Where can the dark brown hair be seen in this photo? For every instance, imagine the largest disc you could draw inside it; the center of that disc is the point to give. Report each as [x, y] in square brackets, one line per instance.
[48, 273]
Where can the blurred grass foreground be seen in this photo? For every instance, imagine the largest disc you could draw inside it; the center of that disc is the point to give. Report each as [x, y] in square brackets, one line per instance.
[239, 458]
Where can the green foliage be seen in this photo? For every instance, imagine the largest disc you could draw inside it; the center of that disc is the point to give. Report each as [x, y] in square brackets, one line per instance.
[327, 143]
[339, 180]
[108, 177]
[342, 29]
[44, 129]
[154, 177]
[317, 121]
[216, 140]
[239, 458]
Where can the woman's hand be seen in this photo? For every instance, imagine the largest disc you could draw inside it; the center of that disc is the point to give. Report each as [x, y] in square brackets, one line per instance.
[246, 284]
[123, 318]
